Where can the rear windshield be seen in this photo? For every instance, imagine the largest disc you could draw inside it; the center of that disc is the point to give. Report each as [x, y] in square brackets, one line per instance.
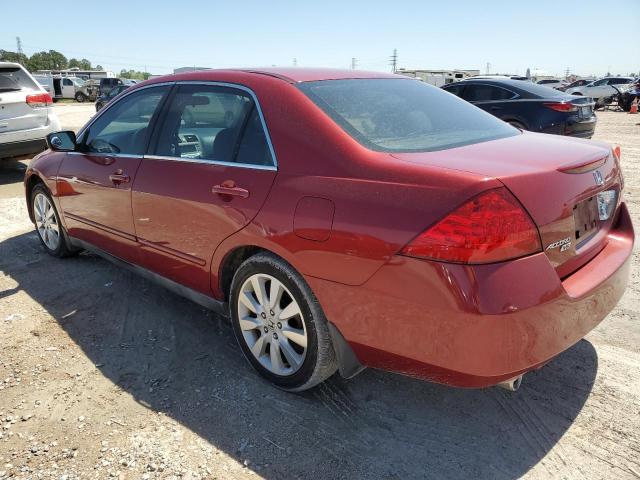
[14, 79]
[397, 115]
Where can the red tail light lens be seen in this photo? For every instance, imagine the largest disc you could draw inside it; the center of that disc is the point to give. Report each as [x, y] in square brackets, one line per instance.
[561, 106]
[491, 227]
[39, 100]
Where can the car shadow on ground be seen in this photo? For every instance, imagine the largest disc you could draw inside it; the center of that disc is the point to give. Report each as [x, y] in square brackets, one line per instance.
[172, 356]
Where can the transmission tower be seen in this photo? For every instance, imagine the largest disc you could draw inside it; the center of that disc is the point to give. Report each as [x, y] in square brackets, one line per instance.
[394, 60]
[354, 63]
[19, 45]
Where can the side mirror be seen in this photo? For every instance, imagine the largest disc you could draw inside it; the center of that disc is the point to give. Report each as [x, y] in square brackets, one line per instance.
[62, 141]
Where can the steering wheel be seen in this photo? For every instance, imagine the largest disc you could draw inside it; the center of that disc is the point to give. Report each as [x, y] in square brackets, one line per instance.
[102, 146]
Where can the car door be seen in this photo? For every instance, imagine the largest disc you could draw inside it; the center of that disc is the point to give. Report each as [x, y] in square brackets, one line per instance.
[68, 88]
[210, 171]
[95, 182]
[599, 89]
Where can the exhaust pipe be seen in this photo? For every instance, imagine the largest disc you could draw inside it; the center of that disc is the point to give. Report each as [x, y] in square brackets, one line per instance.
[513, 384]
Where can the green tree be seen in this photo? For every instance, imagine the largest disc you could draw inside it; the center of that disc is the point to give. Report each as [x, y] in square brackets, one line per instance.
[7, 56]
[51, 60]
[134, 74]
[98, 67]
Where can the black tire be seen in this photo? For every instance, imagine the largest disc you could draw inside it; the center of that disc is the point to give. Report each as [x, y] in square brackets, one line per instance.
[320, 359]
[81, 97]
[64, 248]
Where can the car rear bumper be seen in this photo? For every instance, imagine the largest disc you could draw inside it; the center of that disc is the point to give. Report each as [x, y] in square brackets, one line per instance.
[475, 326]
[28, 141]
[27, 147]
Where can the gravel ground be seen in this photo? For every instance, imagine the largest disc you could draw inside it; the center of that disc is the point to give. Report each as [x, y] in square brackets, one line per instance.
[105, 375]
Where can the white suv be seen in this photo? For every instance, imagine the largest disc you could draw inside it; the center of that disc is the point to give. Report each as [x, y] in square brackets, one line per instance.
[26, 112]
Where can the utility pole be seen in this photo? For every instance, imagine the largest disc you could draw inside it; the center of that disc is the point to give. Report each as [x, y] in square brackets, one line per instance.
[354, 62]
[488, 68]
[19, 45]
[394, 60]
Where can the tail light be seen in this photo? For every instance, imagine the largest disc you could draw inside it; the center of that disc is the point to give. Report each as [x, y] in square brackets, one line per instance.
[39, 100]
[491, 227]
[561, 106]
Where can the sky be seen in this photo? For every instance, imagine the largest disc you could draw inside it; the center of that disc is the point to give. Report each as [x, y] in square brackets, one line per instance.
[587, 37]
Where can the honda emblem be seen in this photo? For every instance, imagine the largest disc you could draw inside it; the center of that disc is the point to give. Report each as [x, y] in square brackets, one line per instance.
[597, 176]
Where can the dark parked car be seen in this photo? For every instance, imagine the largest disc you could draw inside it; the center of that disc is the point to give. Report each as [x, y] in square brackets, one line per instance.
[529, 106]
[102, 100]
[106, 84]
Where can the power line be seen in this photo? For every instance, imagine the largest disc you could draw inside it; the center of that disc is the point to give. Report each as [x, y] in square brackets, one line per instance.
[394, 60]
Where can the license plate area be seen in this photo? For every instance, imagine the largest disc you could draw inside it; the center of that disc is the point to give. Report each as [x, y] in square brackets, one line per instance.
[587, 220]
[585, 112]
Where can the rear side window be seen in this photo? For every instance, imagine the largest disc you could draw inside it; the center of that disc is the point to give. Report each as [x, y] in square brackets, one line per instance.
[486, 93]
[124, 127]
[398, 115]
[619, 81]
[15, 79]
[216, 123]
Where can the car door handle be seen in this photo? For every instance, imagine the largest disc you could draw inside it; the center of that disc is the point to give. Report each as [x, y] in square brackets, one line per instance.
[229, 188]
[118, 177]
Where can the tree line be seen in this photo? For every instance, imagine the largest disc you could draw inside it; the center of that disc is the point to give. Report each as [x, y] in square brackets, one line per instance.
[54, 60]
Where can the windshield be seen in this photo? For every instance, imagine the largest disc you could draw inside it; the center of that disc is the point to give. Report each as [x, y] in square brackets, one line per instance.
[14, 79]
[78, 81]
[397, 115]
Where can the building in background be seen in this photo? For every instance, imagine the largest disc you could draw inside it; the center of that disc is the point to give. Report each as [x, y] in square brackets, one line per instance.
[438, 77]
[76, 72]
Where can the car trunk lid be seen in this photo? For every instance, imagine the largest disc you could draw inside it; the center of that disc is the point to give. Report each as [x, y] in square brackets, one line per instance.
[557, 179]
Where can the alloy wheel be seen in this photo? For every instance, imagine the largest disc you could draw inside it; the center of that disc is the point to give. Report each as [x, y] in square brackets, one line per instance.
[272, 324]
[46, 221]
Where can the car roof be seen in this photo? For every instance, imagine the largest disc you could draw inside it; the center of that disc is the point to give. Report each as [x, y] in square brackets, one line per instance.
[524, 89]
[10, 64]
[291, 75]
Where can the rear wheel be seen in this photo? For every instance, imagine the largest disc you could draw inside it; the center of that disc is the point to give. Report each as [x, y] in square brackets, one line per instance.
[50, 230]
[279, 324]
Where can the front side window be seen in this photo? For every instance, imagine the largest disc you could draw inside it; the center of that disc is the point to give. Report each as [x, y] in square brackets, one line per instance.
[398, 115]
[600, 82]
[67, 83]
[216, 123]
[124, 126]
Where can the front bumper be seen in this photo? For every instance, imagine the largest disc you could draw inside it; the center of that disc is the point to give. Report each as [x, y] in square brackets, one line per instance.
[475, 326]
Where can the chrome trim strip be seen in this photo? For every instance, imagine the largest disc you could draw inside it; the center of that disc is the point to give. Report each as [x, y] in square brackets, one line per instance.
[100, 154]
[210, 162]
[99, 226]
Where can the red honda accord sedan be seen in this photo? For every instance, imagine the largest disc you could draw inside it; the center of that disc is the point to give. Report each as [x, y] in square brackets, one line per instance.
[346, 219]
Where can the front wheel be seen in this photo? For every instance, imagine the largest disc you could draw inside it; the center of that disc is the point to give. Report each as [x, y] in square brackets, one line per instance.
[50, 230]
[280, 325]
[80, 97]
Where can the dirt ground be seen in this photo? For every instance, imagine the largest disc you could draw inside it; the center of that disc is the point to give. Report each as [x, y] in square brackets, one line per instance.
[105, 375]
